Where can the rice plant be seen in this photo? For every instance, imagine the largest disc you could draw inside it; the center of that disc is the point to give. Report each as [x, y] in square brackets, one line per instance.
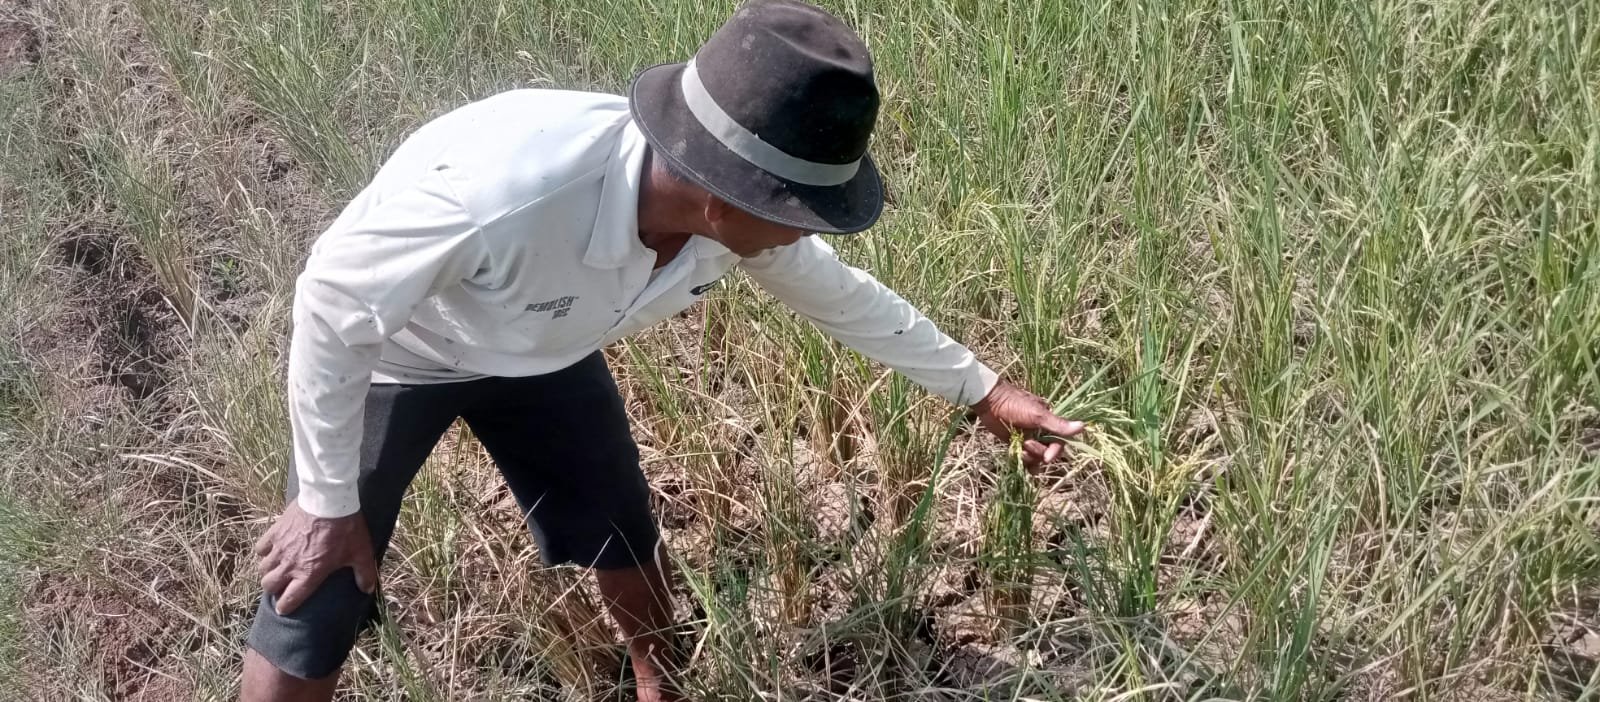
[1322, 277]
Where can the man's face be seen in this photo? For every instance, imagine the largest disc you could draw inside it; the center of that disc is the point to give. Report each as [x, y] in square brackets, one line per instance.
[746, 234]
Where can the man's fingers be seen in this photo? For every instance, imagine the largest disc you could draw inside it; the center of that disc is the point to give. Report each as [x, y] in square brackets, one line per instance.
[274, 582]
[1052, 452]
[296, 593]
[264, 544]
[1033, 452]
[267, 564]
[1056, 426]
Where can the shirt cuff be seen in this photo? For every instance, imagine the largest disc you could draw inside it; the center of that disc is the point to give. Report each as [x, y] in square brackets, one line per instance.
[329, 501]
[979, 380]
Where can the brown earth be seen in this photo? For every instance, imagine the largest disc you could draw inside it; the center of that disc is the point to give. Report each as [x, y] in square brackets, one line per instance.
[127, 641]
[19, 42]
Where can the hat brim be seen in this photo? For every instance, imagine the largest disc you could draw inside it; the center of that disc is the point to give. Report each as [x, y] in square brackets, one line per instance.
[675, 135]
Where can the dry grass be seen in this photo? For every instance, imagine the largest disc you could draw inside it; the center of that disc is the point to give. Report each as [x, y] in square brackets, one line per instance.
[1324, 276]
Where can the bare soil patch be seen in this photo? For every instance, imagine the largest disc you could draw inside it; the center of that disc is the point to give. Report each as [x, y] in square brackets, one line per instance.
[125, 642]
[19, 40]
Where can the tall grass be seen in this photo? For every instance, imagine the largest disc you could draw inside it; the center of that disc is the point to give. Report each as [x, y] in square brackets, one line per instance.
[1323, 276]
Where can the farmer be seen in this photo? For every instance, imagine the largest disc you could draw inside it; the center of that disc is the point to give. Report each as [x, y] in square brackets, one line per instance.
[503, 245]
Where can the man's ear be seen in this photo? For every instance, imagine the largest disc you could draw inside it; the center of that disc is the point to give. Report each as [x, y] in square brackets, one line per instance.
[717, 209]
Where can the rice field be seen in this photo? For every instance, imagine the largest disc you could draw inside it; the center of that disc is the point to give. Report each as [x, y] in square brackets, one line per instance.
[1322, 276]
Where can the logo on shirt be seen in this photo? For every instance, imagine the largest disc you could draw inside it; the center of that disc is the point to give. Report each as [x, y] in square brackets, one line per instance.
[701, 289]
[561, 306]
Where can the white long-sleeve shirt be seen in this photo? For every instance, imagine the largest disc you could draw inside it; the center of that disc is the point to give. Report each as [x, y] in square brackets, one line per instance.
[501, 239]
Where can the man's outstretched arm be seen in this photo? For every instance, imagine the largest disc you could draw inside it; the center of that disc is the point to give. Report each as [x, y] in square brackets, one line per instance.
[850, 305]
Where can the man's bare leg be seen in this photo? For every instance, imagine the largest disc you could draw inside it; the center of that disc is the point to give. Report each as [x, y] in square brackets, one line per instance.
[640, 602]
[263, 682]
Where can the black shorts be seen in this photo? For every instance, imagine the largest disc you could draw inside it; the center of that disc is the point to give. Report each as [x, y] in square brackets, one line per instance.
[561, 441]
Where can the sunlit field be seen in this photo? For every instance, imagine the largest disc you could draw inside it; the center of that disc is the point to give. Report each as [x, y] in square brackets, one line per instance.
[1322, 275]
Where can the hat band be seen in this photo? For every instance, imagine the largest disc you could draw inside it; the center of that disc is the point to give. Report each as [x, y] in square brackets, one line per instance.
[750, 147]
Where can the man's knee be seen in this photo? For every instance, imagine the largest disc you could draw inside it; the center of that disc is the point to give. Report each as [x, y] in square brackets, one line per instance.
[264, 682]
[313, 641]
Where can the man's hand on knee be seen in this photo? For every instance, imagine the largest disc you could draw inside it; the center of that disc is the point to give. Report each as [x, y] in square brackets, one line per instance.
[299, 551]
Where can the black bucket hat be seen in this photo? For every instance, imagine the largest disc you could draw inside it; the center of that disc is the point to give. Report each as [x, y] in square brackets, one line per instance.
[773, 115]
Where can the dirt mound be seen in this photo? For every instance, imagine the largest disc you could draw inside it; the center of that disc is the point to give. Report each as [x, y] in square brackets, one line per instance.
[19, 42]
[126, 643]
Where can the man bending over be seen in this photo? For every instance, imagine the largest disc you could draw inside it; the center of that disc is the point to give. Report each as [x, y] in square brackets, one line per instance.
[503, 245]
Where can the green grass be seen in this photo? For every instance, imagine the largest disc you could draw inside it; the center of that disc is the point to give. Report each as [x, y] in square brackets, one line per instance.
[1323, 276]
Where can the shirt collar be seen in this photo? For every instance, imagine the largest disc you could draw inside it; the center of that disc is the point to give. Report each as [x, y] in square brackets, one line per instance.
[706, 248]
[615, 239]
